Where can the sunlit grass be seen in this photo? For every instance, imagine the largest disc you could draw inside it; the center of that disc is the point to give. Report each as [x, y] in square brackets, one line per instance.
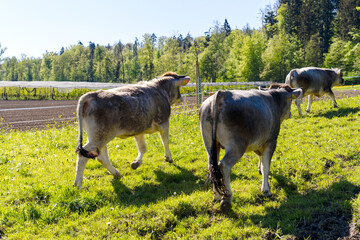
[315, 172]
[347, 87]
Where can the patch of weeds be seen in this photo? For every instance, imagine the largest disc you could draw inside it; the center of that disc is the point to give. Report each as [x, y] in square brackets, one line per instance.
[82, 204]
[39, 194]
[54, 215]
[328, 164]
[2, 232]
[30, 212]
[184, 209]
[306, 175]
[5, 159]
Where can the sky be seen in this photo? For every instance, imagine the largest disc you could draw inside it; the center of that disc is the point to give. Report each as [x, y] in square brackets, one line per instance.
[32, 27]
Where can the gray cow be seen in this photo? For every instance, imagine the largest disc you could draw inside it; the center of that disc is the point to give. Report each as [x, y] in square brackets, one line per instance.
[129, 111]
[314, 82]
[242, 121]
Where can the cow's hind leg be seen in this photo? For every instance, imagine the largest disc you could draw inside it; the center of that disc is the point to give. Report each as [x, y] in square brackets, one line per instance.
[310, 100]
[141, 146]
[81, 163]
[103, 158]
[206, 136]
[216, 195]
[265, 159]
[332, 96]
[164, 134]
[230, 158]
[80, 167]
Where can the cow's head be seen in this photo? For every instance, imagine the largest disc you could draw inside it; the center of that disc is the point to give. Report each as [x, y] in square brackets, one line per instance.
[339, 78]
[177, 82]
[287, 94]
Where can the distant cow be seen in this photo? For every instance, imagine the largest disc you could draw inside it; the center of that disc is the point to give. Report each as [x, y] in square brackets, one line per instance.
[314, 82]
[129, 111]
[242, 121]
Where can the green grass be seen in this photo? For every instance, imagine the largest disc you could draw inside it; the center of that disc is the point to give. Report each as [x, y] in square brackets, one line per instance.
[315, 178]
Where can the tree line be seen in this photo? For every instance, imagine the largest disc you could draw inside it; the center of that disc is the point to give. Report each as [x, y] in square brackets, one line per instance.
[294, 33]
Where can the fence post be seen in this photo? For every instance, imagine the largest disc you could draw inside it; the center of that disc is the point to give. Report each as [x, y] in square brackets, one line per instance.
[184, 108]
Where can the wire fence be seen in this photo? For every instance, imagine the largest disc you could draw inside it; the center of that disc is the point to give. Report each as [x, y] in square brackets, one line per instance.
[38, 90]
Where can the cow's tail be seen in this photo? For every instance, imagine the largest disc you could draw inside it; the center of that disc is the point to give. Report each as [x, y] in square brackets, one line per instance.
[81, 109]
[216, 176]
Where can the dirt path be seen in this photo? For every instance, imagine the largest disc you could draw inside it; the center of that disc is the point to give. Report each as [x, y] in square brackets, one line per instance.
[26, 115]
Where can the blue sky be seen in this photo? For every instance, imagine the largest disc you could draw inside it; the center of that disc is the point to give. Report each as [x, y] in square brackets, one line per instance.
[32, 27]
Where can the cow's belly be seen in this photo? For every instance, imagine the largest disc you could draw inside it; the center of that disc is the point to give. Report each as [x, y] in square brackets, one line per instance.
[317, 93]
[125, 133]
[230, 138]
[257, 146]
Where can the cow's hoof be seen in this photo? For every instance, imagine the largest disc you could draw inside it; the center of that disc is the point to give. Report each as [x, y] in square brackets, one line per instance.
[259, 171]
[135, 165]
[216, 197]
[225, 206]
[117, 175]
[168, 159]
[267, 193]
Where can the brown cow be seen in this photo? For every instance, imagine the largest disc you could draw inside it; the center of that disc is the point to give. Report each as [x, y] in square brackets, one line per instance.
[129, 111]
[242, 121]
[314, 82]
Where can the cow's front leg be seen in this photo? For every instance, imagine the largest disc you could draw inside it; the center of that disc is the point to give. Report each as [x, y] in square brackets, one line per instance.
[164, 134]
[297, 103]
[332, 96]
[259, 166]
[103, 158]
[141, 146]
[310, 100]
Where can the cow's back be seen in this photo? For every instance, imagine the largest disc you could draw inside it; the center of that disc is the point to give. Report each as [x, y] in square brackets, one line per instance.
[244, 116]
[131, 109]
[312, 80]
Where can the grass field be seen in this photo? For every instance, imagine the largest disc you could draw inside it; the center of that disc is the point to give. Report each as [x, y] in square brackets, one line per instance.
[315, 177]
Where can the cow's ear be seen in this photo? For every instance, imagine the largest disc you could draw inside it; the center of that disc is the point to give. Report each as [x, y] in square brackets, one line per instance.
[296, 93]
[262, 89]
[182, 81]
[338, 71]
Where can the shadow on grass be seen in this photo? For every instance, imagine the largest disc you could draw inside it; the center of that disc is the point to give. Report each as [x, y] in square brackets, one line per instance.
[339, 112]
[169, 185]
[322, 214]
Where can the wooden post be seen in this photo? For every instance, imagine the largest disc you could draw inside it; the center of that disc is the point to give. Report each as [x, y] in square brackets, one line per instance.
[197, 74]
[198, 84]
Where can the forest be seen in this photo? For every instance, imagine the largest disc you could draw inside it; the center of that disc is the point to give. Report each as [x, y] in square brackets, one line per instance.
[294, 33]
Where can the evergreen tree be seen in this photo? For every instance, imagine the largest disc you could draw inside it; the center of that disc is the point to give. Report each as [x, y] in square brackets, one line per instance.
[2, 50]
[227, 28]
[213, 57]
[147, 55]
[269, 21]
[91, 62]
[348, 18]
[136, 68]
[188, 42]
[119, 62]
[46, 66]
